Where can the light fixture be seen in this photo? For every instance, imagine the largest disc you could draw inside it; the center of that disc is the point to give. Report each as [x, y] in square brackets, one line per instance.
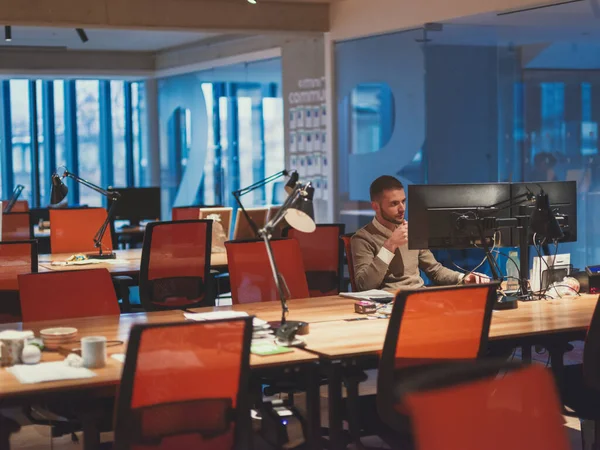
[252, 1]
[7, 33]
[82, 35]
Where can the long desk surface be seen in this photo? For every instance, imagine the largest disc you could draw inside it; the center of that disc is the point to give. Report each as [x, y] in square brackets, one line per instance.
[126, 263]
[330, 336]
[532, 319]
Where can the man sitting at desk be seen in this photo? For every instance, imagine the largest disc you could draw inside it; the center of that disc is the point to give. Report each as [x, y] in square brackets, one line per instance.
[380, 251]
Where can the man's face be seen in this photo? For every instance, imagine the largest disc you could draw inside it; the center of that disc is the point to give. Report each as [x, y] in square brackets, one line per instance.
[390, 206]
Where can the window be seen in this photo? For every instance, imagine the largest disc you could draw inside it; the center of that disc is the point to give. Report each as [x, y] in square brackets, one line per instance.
[117, 99]
[88, 136]
[59, 123]
[21, 138]
[140, 161]
[52, 140]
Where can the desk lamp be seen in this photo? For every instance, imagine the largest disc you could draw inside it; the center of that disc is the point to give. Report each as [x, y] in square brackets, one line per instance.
[298, 212]
[289, 187]
[14, 197]
[59, 191]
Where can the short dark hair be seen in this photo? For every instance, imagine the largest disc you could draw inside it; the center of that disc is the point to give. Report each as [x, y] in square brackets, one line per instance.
[384, 183]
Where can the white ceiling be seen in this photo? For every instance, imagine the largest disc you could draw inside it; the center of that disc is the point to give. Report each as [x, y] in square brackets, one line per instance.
[116, 40]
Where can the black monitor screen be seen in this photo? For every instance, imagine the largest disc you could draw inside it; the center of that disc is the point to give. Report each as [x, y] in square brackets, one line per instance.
[137, 204]
[434, 213]
[563, 201]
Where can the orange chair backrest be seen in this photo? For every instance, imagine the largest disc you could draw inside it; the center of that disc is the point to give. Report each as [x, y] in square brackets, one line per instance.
[185, 213]
[518, 411]
[73, 230]
[19, 206]
[175, 266]
[185, 386]
[68, 294]
[16, 258]
[16, 226]
[448, 323]
[251, 276]
[322, 255]
[346, 239]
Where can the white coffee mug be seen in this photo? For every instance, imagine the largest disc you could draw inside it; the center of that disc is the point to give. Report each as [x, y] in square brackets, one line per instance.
[93, 351]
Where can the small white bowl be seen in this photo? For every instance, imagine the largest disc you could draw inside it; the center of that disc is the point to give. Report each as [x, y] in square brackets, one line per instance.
[58, 332]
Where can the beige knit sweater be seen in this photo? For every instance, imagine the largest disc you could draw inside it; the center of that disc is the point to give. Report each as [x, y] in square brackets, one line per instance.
[372, 271]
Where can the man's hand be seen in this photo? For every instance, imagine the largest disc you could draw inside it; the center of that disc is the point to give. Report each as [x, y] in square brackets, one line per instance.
[398, 239]
[476, 278]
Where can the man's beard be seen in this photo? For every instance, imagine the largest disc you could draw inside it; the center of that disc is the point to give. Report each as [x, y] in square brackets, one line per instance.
[391, 219]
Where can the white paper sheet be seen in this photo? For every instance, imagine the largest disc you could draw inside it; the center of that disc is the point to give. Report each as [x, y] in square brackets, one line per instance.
[49, 371]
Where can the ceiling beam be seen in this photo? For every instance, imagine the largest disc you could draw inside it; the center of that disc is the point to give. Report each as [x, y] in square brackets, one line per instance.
[43, 62]
[189, 15]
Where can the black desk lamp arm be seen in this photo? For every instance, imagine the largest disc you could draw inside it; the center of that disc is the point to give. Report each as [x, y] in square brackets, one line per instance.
[92, 186]
[258, 184]
[114, 196]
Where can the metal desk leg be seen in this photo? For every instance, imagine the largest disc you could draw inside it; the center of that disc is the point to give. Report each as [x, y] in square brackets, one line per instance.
[91, 433]
[526, 356]
[313, 407]
[336, 438]
[7, 427]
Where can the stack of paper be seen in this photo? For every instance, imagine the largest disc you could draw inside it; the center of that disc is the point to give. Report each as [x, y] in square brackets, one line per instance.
[373, 294]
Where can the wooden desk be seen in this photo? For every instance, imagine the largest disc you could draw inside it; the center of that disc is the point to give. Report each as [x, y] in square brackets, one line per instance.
[340, 341]
[127, 262]
[533, 319]
[13, 393]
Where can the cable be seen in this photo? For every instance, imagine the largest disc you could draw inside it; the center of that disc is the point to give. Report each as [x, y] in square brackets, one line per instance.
[467, 273]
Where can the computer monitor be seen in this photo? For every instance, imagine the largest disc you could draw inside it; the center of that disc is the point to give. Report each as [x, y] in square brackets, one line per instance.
[243, 229]
[563, 201]
[435, 211]
[136, 204]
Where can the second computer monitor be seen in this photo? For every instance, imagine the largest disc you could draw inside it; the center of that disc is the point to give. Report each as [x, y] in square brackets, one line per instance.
[137, 204]
[435, 212]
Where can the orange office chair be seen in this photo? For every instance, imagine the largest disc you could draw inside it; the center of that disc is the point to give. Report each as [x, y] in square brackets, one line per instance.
[67, 294]
[346, 238]
[430, 326]
[467, 407]
[322, 254]
[18, 207]
[185, 386]
[16, 227]
[250, 272]
[175, 267]
[73, 230]
[185, 213]
[16, 258]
